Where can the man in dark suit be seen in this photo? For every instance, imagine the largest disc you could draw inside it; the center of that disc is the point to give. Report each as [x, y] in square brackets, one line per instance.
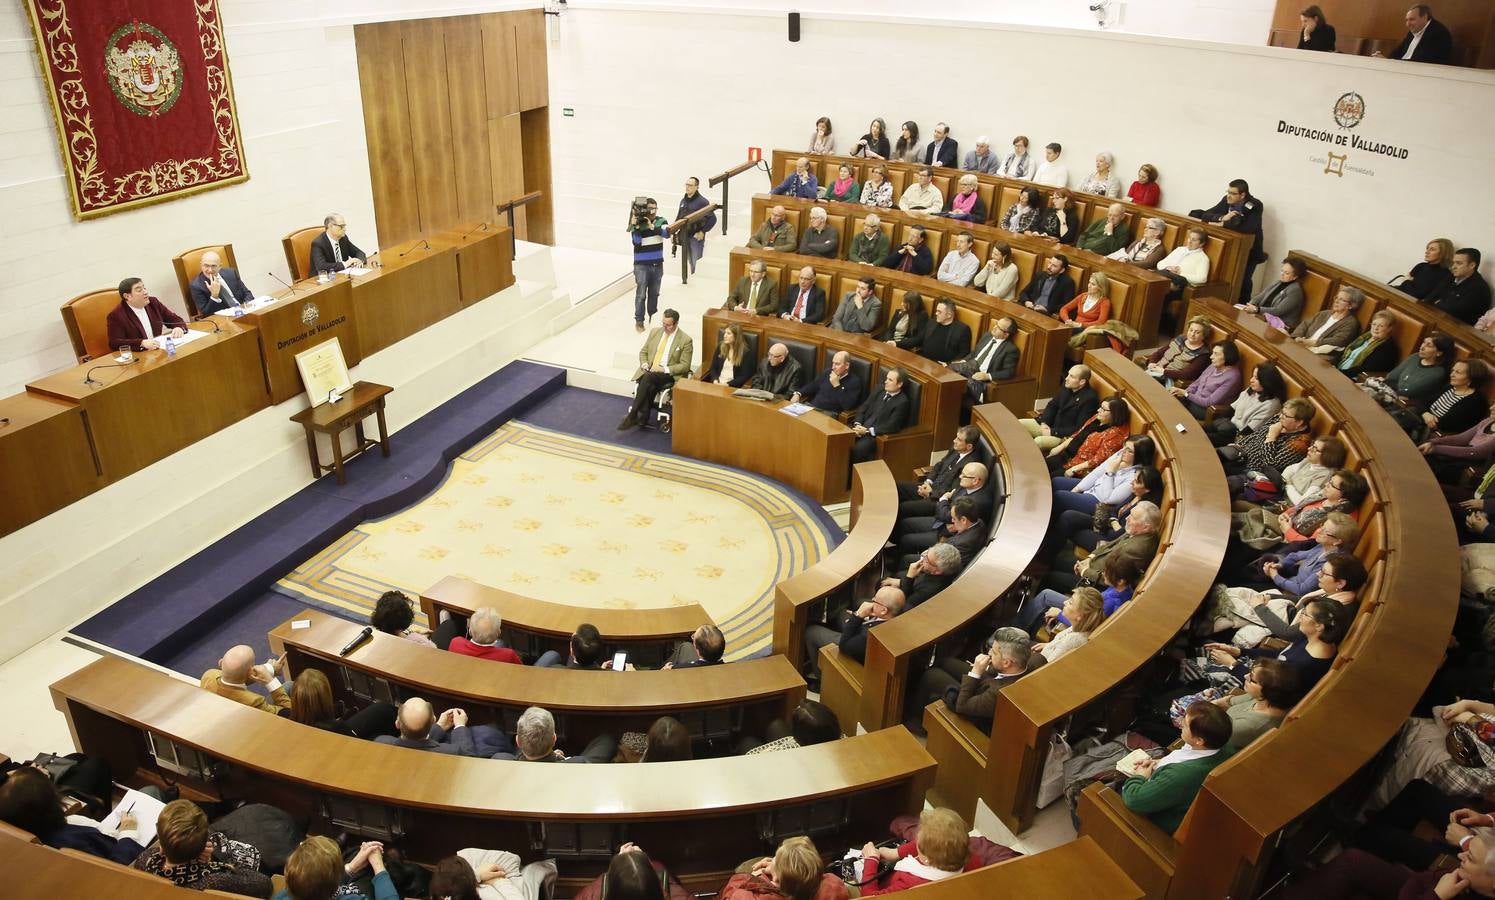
[1467, 296]
[1009, 658]
[140, 320]
[778, 373]
[217, 287]
[1050, 289]
[1427, 39]
[806, 302]
[995, 359]
[420, 729]
[913, 254]
[836, 390]
[885, 412]
[707, 644]
[920, 532]
[948, 338]
[534, 736]
[919, 498]
[931, 573]
[331, 251]
[1076, 402]
[849, 630]
[943, 150]
[585, 653]
[755, 292]
[966, 532]
[1239, 211]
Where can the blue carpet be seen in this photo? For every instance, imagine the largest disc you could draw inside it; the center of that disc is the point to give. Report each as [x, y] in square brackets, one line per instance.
[249, 625]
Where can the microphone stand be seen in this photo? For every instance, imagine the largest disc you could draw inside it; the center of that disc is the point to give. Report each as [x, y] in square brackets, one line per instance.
[287, 284]
[88, 376]
[482, 227]
[423, 245]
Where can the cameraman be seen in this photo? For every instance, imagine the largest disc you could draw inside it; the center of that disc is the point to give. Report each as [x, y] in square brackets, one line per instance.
[648, 232]
[694, 237]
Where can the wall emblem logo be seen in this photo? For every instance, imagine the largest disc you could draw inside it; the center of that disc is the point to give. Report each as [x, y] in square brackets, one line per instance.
[1335, 164]
[144, 68]
[1349, 109]
[310, 314]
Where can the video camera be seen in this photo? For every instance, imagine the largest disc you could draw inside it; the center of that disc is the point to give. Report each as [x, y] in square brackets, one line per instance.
[640, 214]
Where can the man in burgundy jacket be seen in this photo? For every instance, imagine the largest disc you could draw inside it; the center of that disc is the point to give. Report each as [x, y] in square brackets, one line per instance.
[140, 319]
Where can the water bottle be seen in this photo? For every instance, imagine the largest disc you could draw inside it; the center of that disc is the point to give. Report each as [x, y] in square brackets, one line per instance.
[170, 347]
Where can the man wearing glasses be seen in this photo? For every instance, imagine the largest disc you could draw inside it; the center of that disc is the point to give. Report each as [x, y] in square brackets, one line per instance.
[331, 251]
[851, 637]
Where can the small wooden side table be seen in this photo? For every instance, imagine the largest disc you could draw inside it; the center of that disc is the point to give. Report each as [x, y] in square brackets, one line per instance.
[364, 399]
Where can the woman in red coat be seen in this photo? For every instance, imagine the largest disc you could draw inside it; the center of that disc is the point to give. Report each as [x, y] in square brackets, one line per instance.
[793, 873]
[941, 848]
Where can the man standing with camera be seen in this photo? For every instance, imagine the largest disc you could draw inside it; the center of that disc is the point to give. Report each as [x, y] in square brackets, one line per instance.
[648, 232]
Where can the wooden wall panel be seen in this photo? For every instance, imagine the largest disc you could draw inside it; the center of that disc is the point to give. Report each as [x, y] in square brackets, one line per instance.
[500, 66]
[430, 124]
[386, 122]
[535, 132]
[534, 75]
[506, 147]
[467, 95]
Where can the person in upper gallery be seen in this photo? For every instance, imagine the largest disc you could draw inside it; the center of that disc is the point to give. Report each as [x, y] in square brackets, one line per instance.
[836, 390]
[1430, 274]
[806, 301]
[1463, 404]
[731, 364]
[1467, 296]
[922, 196]
[1090, 308]
[966, 204]
[236, 671]
[585, 651]
[779, 373]
[1239, 211]
[994, 359]
[1145, 191]
[1164, 789]
[845, 189]
[1374, 351]
[217, 287]
[1188, 264]
[948, 338]
[776, 233]
[534, 738]
[1102, 181]
[1059, 221]
[420, 729]
[822, 142]
[1017, 164]
[960, 265]
[999, 276]
[919, 498]
[140, 321]
[1147, 250]
[860, 310]
[820, 239]
[1021, 215]
[906, 149]
[754, 293]
[1255, 407]
[943, 150]
[484, 627]
[664, 358]
[981, 159]
[1052, 288]
[1063, 415]
[1316, 34]
[1282, 298]
[910, 324]
[1051, 171]
[799, 183]
[1427, 39]
[913, 254]
[877, 190]
[695, 239]
[870, 246]
[885, 412]
[706, 646]
[1108, 235]
[394, 614]
[331, 251]
[874, 144]
[919, 533]
[1332, 329]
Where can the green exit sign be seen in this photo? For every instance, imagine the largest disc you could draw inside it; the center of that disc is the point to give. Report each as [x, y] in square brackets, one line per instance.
[567, 111]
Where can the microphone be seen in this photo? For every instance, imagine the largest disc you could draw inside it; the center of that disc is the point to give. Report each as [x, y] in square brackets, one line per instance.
[365, 634]
[212, 319]
[423, 245]
[88, 376]
[282, 281]
[482, 227]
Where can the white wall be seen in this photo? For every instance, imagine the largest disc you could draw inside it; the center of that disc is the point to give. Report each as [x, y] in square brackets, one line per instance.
[1203, 114]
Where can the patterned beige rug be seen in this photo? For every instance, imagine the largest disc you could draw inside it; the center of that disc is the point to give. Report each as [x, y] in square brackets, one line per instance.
[574, 521]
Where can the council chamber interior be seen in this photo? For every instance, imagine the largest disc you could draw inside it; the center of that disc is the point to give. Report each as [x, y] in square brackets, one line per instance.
[1159, 439]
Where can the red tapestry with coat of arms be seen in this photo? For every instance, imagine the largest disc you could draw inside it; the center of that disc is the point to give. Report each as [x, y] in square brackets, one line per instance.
[141, 93]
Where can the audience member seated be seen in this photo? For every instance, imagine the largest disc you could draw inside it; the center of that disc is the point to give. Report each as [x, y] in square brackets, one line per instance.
[1085, 609]
[874, 144]
[836, 390]
[1283, 299]
[811, 723]
[633, 876]
[1066, 412]
[1052, 288]
[1147, 250]
[799, 183]
[999, 276]
[1188, 264]
[140, 321]
[731, 365]
[1093, 442]
[585, 651]
[1316, 34]
[1306, 479]
[860, 310]
[1051, 171]
[776, 233]
[912, 255]
[820, 239]
[1108, 235]
[943, 151]
[662, 360]
[960, 264]
[1417, 380]
[332, 251]
[981, 159]
[870, 245]
[1217, 385]
[804, 302]
[1421, 751]
[1110, 483]
[667, 741]
[754, 292]
[706, 647]
[312, 704]
[947, 338]
[994, 359]
[394, 614]
[1102, 181]
[1463, 404]
[966, 205]
[217, 287]
[1119, 576]
[1181, 359]
[1139, 543]
[484, 627]
[922, 196]
[315, 871]
[919, 498]
[1239, 211]
[1450, 454]
[1164, 789]
[1339, 580]
[845, 189]
[1021, 215]
[1059, 221]
[1269, 694]
[1091, 308]
[1374, 351]
[1108, 521]
[188, 855]
[1017, 164]
[1145, 191]
[534, 737]
[939, 850]
[967, 531]
[236, 670]
[1332, 329]
[822, 142]
[792, 873]
[918, 533]
[909, 325]
[1427, 40]
[1275, 447]
[30, 801]
[1357, 873]
[474, 874]
[778, 373]
[851, 640]
[1430, 274]
[420, 729]
[931, 573]
[1297, 572]
[971, 689]
[1259, 529]
[1255, 407]
[878, 190]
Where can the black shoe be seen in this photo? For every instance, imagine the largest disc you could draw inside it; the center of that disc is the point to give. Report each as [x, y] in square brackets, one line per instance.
[629, 421]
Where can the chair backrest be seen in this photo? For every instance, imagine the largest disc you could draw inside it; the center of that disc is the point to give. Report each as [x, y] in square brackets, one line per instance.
[188, 263]
[915, 391]
[792, 216]
[750, 341]
[862, 369]
[805, 353]
[85, 317]
[297, 247]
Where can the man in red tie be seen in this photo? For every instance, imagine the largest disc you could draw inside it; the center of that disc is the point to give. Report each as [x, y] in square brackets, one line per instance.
[805, 303]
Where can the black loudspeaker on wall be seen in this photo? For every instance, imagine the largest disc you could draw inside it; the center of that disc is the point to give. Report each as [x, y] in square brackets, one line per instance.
[794, 28]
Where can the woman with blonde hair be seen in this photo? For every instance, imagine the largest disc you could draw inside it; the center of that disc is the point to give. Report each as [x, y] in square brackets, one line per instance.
[730, 365]
[793, 872]
[1432, 273]
[941, 848]
[1084, 609]
[315, 871]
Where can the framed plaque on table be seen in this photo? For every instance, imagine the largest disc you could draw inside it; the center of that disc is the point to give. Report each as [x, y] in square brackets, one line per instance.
[323, 370]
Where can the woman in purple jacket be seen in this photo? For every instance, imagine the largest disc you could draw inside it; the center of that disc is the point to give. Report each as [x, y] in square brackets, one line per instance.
[1218, 384]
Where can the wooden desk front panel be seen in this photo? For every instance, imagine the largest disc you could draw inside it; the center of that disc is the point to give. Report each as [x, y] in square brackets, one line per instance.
[485, 264]
[406, 294]
[145, 412]
[810, 453]
[46, 458]
[301, 320]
